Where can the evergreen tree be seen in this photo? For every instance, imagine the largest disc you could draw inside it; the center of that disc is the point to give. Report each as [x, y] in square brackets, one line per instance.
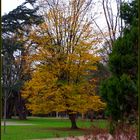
[120, 90]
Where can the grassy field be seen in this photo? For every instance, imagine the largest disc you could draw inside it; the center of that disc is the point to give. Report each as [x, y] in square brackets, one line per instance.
[48, 128]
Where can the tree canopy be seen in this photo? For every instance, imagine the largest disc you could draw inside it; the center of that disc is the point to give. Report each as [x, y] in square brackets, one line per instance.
[64, 57]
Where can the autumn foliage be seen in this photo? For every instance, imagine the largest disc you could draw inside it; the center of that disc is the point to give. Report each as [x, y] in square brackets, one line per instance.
[62, 62]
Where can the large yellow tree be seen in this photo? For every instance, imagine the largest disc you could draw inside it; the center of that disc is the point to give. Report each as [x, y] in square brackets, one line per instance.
[63, 61]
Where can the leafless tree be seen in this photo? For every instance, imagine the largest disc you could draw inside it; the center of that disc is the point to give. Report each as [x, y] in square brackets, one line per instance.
[114, 24]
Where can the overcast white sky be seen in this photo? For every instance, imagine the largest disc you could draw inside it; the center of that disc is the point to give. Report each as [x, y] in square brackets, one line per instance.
[9, 5]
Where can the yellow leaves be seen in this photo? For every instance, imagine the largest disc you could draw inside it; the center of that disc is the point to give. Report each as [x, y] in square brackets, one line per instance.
[44, 26]
[39, 37]
[76, 93]
[41, 81]
[63, 58]
[45, 96]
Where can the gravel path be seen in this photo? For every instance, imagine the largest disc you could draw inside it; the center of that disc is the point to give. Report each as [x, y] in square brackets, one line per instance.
[15, 123]
[88, 137]
[68, 138]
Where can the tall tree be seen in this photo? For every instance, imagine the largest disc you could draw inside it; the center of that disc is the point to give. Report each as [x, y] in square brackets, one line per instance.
[15, 25]
[120, 90]
[64, 57]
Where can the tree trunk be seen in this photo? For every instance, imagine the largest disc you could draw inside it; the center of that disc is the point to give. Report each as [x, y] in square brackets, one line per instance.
[83, 116]
[72, 118]
[57, 115]
[20, 107]
[5, 106]
[91, 116]
[9, 108]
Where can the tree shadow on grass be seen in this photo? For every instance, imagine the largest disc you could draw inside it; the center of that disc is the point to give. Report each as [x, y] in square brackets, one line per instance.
[84, 131]
[68, 129]
[58, 132]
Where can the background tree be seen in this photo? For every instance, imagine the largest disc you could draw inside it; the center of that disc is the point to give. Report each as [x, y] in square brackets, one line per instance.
[113, 26]
[63, 59]
[15, 25]
[120, 90]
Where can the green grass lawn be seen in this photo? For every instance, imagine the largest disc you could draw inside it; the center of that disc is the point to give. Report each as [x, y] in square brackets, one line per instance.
[48, 128]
